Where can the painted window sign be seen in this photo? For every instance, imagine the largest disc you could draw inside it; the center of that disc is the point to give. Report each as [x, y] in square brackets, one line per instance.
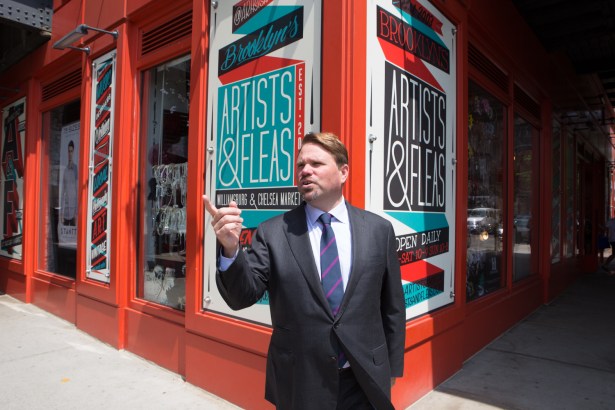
[101, 143]
[264, 95]
[415, 150]
[411, 90]
[267, 30]
[256, 131]
[11, 178]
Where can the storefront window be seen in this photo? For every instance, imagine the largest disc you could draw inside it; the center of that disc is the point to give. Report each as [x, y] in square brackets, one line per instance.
[570, 227]
[12, 142]
[163, 172]
[60, 193]
[556, 201]
[525, 251]
[486, 136]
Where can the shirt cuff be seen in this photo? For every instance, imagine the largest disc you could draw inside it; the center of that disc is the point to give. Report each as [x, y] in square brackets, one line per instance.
[224, 263]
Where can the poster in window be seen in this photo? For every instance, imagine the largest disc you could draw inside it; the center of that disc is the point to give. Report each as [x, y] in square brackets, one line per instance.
[102, 116]
[411, 94]
[11, 178]
[264, 95]
[69, 183]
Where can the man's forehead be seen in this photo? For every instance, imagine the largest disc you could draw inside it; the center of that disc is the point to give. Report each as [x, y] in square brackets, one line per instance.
[313, 150]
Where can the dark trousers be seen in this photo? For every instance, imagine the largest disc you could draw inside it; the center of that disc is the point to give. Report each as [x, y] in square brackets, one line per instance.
[350, 395]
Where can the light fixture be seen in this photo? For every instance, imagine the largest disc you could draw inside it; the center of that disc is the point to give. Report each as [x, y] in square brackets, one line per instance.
[484, 235]
[81, 30]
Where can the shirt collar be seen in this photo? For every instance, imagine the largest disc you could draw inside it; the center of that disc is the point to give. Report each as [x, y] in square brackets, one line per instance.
[340, 212]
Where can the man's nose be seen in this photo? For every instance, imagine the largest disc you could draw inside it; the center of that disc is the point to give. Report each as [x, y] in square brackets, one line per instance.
[304, 170]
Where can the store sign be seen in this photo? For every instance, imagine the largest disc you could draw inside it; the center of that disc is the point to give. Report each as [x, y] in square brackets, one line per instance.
[11, 178]
[264, 95]
[411, 83]
[99, 187]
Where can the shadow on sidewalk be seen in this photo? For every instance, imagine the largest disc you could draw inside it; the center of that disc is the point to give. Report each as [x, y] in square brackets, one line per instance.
[562, 356]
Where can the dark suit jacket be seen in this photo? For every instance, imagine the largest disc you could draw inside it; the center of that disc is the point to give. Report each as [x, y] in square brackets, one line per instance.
[302, 369]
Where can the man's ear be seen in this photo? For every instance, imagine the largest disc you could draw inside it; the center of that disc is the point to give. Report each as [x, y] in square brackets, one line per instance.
[344, 170]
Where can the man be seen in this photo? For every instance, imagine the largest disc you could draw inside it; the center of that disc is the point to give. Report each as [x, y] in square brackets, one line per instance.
[324, 353]
[69, 187]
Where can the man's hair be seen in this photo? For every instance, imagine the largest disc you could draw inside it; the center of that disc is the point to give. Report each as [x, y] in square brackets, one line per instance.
[330, 143]
[71, 145]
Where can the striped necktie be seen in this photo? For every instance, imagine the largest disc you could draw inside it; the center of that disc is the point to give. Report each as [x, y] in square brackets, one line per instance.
[330, 270]
[331, 274]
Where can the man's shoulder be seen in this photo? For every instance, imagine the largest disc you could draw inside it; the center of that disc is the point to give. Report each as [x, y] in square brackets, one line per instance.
[368, 216]
[285, 217]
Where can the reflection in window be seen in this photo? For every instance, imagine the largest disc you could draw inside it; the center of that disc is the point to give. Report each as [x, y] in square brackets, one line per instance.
[60, 193]
[163, 189]
[525, 252]
[487, 127]
[556, 202]
[569, 227]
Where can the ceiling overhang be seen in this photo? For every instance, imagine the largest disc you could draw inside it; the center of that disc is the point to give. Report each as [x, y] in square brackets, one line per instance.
[25, 25]
[584, 33]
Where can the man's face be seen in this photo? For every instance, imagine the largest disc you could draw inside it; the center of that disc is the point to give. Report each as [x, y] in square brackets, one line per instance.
[70, 153]
[320, 179]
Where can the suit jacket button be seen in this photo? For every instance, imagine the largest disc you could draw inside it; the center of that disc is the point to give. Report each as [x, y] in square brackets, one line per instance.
[336, 325]
[333, 359]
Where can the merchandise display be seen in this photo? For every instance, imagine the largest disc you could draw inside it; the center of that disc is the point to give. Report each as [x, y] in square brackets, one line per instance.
[164, 166]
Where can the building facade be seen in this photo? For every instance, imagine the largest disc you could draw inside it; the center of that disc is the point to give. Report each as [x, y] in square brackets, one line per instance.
[463, 131]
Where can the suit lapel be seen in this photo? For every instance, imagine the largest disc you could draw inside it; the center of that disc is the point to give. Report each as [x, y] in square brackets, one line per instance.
[299, 241]
[358, 235]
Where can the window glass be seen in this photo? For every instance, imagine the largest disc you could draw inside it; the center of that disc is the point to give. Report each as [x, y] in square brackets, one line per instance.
[556, 201]
[12, 204]
[524, 201]
[163, 189]
[59, 190]
[486, 137]
[570, 228]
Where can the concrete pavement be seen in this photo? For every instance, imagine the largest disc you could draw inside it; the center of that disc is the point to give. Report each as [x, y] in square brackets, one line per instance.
[560, 357]
[46, 363]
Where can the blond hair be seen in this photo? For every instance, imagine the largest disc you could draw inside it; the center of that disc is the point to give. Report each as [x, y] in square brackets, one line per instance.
[330, 143]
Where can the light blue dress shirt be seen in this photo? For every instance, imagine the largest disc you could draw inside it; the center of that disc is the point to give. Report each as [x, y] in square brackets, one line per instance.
[341, 227]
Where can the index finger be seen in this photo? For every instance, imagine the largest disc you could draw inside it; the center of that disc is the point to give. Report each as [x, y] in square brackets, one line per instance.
[209, 206]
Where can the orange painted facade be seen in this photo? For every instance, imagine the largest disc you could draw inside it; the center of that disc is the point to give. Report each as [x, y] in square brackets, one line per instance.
[213, 351]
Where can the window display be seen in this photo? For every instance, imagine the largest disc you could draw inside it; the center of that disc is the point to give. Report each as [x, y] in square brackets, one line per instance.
[164, 167]
[60, 193]
[12, 133]
[525, 252]
[556, 201]
[569, 217]
[486, 136]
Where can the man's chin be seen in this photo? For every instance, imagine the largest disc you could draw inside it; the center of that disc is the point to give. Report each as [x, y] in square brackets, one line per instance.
[309, 196]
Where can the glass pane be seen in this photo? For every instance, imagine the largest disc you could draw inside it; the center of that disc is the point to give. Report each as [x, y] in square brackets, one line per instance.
[526, 147]
[570, 228]
[164, 166]
[59, 193]
[486, 136]
[12, 204]
[556, 201]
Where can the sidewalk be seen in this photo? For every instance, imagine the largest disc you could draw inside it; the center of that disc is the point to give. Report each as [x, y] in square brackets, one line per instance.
[46, 363]
[560, 357]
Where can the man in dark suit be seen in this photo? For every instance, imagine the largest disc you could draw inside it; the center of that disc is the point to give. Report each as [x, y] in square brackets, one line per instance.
[338, 330]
